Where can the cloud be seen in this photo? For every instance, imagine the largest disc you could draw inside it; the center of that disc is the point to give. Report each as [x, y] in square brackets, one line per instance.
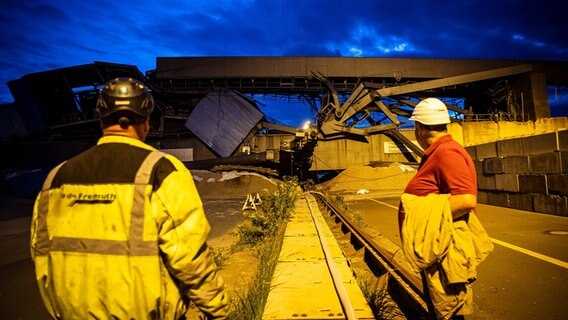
[38, 35]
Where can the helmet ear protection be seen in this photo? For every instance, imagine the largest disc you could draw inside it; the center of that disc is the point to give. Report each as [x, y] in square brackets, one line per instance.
[431, 111]
[126, 95]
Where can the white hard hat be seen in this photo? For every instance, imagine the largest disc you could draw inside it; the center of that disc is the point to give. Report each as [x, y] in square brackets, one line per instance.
[431, 111]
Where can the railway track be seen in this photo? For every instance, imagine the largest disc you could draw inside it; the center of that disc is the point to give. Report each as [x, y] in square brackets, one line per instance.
[312, 278]
[378, 259]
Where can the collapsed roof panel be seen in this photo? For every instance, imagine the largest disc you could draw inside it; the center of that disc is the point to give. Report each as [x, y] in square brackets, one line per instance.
[223, 119]
[48, 98]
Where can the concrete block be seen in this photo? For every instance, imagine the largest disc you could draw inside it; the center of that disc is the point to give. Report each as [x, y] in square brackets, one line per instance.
[542, 143]
[492, 165]
[478, 166]
[511, 147]
[521, 201]
[486, 181]
[563, 140]
[482, 197]
[471, 151]
[532, 183]
[486, 150]
[507, 182]
[551, 204]
[496, 198]
[557, 184]
[516, 164]
[564, 161]
[545, 163]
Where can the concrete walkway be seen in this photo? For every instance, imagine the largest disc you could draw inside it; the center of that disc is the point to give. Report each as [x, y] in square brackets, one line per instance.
[302, 286]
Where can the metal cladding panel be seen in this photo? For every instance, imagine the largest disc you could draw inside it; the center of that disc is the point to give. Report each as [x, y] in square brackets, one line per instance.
[11, 122]
[223, 119]
[33, 116]
[48, 98]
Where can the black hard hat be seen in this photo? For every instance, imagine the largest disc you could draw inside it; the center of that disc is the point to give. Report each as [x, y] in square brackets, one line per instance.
[125, 94]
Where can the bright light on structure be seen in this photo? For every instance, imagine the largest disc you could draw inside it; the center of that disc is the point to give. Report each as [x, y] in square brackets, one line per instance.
[307, 125]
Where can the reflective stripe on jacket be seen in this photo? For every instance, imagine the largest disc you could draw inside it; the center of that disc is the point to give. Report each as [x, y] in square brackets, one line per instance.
[119, 232]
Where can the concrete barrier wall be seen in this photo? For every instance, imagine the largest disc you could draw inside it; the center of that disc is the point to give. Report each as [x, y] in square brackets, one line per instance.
[340, 154]
[475, 133]
[528, 173]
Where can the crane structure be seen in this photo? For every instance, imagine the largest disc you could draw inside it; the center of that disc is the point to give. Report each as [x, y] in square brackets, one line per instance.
[213, 98]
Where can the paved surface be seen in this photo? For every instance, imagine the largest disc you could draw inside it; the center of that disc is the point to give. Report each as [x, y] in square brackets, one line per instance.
[19, 296]
[302, 285]
[512, 284]
[526, 276]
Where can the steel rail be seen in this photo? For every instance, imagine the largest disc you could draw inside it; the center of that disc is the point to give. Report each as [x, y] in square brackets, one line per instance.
[335, 276]
[411, 285]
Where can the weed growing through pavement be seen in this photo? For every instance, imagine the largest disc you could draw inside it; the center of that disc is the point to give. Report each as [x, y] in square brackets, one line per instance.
[376, 293]
[339, 203]
[263, 230]
[219, 256]
[274, 209]
[358, 218]
[249, 302]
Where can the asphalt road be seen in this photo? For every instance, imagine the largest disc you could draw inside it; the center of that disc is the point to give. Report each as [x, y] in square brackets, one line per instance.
[19, 296]
[512, 284]
[526, 276]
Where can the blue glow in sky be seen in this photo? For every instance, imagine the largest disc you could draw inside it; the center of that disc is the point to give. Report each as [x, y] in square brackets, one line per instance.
[38, 35]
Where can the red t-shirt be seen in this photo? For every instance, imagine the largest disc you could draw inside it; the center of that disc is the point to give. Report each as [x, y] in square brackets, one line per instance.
[445, 168]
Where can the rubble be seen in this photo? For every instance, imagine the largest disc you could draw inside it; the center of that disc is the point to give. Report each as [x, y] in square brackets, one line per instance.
[232, 183]
[387, 179]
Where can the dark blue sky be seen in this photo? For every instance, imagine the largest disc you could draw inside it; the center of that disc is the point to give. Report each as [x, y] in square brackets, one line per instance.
[40, 35]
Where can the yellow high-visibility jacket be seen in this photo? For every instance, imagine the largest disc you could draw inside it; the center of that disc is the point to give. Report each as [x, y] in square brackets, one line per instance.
[447, 252]
[119, 232]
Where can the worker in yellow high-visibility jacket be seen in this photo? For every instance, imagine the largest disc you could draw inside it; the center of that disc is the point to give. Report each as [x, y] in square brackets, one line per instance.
[119, 231]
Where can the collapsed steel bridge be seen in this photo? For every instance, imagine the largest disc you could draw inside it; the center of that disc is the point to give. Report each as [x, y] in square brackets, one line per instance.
[351, 98]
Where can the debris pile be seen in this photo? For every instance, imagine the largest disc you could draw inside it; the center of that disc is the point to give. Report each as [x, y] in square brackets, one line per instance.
[232, 183]
[389, 179]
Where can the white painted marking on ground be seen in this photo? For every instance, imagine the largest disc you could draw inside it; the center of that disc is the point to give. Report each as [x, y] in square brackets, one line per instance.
[384, 204]
[533, 254]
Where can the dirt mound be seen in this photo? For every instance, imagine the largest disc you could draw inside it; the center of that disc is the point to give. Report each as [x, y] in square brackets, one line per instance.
[232, 183]
[392, 178]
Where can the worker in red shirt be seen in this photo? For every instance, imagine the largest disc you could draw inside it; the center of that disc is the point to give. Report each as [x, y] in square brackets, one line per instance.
[445, 169]
[446, 166]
